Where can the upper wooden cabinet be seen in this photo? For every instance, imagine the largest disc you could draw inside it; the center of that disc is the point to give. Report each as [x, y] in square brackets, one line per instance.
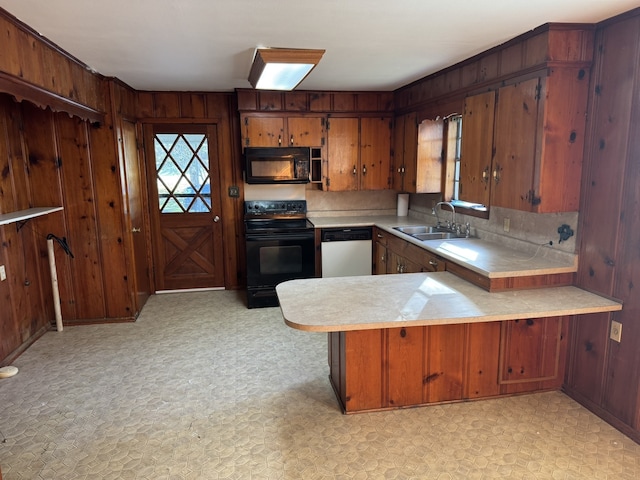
[418, 150]
[359, 153]
[282, 131]
[537, 134]
[477, 145]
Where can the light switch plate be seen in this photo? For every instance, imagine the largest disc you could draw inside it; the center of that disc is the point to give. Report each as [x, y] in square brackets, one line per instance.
[616, 331]
[3, 273]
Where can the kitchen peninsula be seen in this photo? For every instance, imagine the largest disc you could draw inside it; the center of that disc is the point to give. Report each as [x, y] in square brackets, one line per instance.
[420, 338]
[406, 340]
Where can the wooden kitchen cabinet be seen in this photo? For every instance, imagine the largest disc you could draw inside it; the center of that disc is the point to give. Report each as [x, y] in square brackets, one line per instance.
[532, 354]
[477, 148]
[418, 152]
[405, 257]
[388, 368]
[359, 153]
[538, 135]
[282, 131]
[379, 251]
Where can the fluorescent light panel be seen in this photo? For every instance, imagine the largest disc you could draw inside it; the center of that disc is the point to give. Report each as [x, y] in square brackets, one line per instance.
[282, 68]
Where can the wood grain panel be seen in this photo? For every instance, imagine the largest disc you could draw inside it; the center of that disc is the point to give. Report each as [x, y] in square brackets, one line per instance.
[119, 289]
[343, 150]
[515, 130]
[363, 371]
[375, 153]
[445, 363]
[72, 139]
[45, 185]
[477, 148]
[406, 365]
[483, 341]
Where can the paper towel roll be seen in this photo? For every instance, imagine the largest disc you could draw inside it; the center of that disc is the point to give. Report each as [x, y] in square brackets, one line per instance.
[403, 204]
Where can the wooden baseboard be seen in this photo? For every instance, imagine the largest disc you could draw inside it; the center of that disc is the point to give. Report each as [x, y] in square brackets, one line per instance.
[615, 422]
[20, 350]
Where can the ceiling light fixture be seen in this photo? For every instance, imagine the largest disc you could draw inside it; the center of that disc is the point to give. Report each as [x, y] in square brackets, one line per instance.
[282, 68]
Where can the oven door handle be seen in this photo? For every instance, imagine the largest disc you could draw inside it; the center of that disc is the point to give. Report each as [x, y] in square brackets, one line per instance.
[256, 237]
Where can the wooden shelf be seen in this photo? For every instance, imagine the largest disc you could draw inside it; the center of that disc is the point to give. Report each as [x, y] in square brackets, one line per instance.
[24, 215]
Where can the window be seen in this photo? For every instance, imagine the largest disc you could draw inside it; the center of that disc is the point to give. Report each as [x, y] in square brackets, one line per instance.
[182, 161]
[454, 156]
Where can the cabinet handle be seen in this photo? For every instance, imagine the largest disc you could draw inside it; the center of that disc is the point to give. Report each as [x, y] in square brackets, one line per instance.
[291, 140]
[279, 140]
[364, 169]
[135, 230]
[496, 174]
[380, 235]
[355, 170]
[485, 174]
[433, 263]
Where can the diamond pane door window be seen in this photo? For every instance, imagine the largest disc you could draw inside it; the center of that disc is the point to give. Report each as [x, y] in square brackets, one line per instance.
[183, 176]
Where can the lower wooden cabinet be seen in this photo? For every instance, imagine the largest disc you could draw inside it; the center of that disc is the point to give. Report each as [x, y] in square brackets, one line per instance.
[396, 255]
[391, 368]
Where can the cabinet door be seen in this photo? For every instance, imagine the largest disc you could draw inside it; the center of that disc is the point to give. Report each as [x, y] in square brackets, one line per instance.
[262, 131]
[515, 145]
[305, 131]
[405, 153]
[381, 259]
[375, 153]
[428, 168]
[397, 174]
[343, 160]
[530, 350]
[477, 146]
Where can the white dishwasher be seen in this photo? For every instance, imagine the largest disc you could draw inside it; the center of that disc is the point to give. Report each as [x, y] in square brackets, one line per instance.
[346, 251]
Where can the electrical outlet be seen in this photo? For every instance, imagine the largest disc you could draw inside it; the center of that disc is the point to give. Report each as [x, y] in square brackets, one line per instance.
[506, 224]
[3, 273]
[616, 331]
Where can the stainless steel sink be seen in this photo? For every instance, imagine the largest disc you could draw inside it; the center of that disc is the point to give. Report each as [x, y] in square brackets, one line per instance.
[424, 232]
[436, 236]
[418, 229]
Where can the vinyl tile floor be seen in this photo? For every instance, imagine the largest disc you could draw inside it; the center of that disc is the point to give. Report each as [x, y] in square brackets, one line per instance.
[200, 387]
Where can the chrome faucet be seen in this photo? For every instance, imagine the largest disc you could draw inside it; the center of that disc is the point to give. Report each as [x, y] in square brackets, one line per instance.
[451, 225]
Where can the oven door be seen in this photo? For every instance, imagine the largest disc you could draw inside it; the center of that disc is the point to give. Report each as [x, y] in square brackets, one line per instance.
[276, 258]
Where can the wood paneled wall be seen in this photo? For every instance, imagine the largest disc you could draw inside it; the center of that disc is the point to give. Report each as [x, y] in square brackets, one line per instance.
[544, 47]
[27, 56]
[605, 375]
[219, 109]
[52, 159]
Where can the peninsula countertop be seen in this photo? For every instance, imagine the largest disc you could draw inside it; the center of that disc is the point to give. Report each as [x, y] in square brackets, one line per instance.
[487, 258]
[415, 299]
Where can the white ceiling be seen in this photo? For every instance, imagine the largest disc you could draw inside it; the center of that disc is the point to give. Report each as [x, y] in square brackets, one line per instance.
[208, 45]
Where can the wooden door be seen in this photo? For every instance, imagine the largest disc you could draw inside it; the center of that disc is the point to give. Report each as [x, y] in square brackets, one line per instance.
[262, 131]
[515, 145]
[305, 131]
[185, 206]
[405, 153]
[343, 154]
[375, 153]
[477, 147]
[429, 161]
[137, 205]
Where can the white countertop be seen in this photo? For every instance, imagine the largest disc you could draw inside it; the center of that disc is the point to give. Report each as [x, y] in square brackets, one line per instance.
[489, 259]
[414, 299]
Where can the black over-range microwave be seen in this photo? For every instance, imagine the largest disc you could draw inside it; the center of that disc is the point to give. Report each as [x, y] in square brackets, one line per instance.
[277, 164]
